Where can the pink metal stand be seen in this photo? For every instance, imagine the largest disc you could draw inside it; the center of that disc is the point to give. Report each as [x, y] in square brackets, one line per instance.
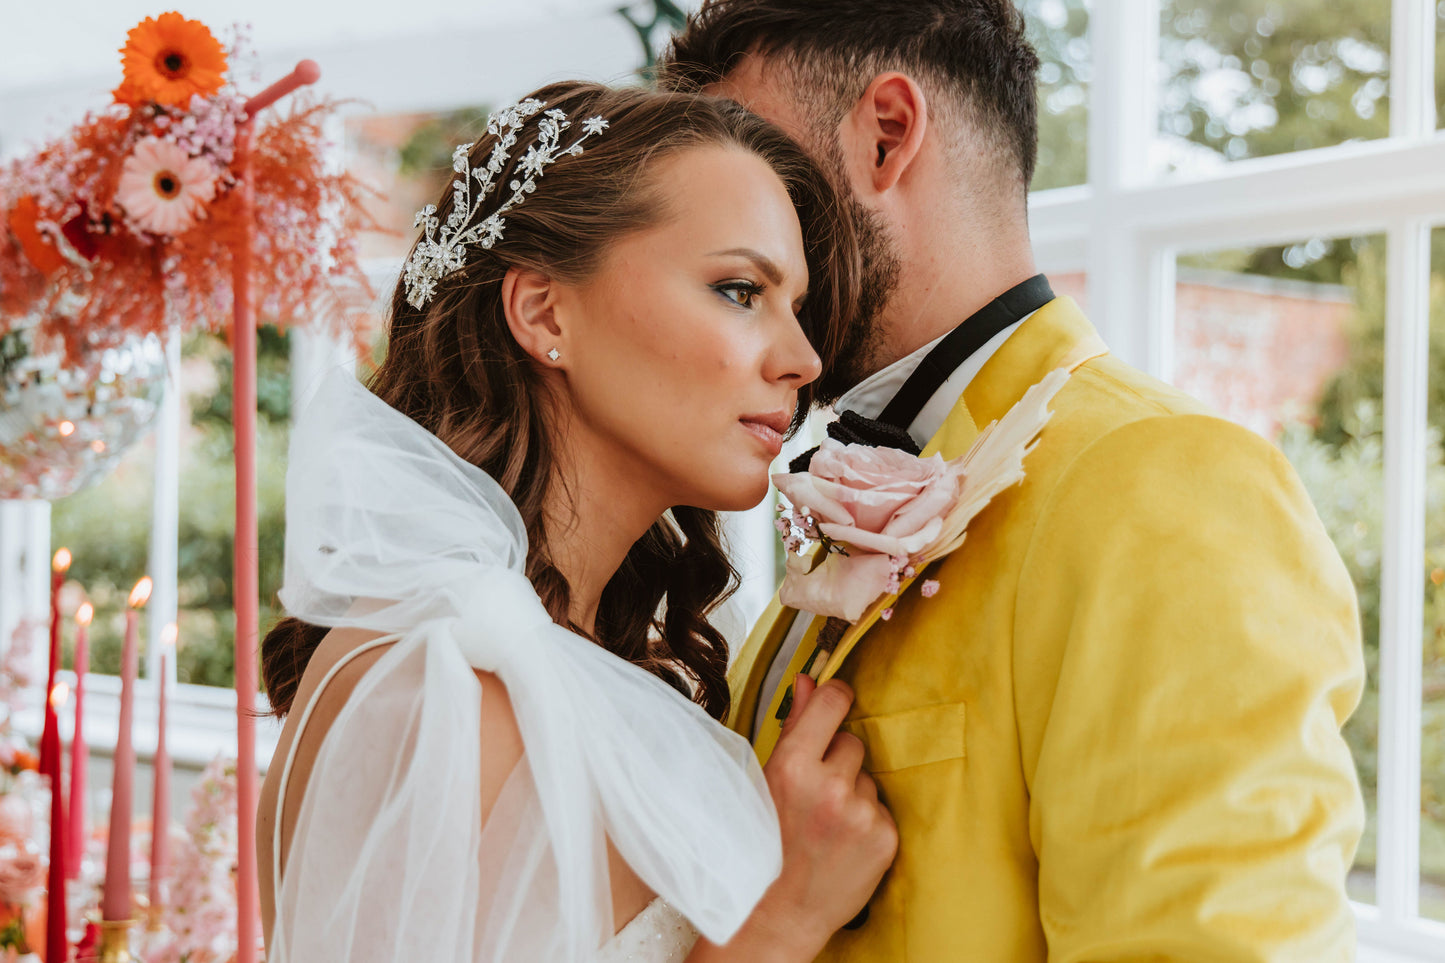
[247, 574]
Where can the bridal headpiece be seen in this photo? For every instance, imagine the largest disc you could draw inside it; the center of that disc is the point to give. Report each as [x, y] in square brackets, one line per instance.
[444, 249]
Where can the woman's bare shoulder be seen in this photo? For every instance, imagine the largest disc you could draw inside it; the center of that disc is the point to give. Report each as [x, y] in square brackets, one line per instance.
[501, 741]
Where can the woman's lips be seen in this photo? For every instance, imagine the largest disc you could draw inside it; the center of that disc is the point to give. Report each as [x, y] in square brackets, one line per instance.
[768, 428]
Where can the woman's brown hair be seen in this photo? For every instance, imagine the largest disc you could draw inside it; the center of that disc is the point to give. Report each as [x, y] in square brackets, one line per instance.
[454, 368]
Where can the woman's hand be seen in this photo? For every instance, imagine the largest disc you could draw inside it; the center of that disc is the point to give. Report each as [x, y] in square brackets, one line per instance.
[838, 839]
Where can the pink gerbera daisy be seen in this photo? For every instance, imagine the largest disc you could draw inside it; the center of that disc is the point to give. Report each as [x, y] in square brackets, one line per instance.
[164, 189]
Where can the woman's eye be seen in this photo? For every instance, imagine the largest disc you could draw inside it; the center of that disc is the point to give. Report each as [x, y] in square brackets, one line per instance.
[741, 293]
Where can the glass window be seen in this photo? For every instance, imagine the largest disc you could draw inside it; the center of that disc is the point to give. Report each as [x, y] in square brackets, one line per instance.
[408, 159]
[1071, 284]
[1440, 63]
[1059, 30]
[107, 527]
[1432, 743]
[1289, 341]
[1252, 78]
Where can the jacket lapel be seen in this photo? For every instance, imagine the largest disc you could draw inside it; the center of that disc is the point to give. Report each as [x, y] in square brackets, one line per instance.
[1056, 336]
[746, 677]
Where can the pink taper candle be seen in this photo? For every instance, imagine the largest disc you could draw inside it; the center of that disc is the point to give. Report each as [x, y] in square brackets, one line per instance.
[115, 904]
[79, 752]
[59, 565]
[161, 790]
[56, 947]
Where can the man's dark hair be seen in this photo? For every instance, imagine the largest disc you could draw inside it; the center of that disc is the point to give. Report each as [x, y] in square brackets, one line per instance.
[972, 53]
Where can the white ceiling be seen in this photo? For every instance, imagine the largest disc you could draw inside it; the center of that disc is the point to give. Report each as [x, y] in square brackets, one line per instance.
[60, 58]
[42, 43]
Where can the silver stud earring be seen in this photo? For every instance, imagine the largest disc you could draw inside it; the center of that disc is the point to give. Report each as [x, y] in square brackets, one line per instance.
[554, 354]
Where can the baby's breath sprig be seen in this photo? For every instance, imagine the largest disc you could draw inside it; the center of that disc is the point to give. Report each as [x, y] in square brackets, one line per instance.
[799, 530]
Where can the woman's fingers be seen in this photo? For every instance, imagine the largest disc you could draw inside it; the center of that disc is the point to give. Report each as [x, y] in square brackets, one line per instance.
[803, 687]
[845, 752]
[812, 725]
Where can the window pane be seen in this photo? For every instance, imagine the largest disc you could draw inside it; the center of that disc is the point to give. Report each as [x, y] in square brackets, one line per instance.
[107, 527]
[1059, 30]
[1071, 284]
[1432, 744]
[407, 158]
[1289, 341]
[1440, 63]
[1251, 78]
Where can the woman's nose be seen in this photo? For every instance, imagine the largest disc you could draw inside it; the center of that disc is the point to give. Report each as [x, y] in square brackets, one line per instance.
[793, 359]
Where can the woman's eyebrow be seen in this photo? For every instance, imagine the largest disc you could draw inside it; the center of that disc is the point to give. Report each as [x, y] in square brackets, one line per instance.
[763, 263]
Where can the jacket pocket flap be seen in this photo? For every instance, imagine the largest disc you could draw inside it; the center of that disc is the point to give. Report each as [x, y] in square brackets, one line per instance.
[913, 737]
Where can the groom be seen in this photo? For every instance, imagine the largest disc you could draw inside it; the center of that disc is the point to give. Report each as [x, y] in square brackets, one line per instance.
[1115, 732]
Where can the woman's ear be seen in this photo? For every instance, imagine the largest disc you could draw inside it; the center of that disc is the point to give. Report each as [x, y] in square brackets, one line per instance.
[883, 133]
[529, 301]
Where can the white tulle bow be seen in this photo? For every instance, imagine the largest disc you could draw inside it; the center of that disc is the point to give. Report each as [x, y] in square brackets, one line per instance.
[390, 860]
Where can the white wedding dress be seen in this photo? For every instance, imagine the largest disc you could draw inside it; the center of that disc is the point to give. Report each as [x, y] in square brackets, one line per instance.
[390, 860]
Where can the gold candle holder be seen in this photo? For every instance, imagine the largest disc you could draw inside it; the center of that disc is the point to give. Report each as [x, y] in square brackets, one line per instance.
[114, 944]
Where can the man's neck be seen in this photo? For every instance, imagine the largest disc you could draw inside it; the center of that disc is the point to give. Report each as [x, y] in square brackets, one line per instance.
[947, 282]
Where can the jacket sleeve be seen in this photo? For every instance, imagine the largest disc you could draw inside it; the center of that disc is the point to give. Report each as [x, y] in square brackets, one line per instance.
[1187, 650]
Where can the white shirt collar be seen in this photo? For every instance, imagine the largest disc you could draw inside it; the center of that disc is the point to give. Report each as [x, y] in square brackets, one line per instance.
[871, 395]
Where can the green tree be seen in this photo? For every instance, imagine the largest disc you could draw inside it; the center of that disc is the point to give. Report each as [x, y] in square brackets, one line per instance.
[1250, 78]
[1059, 30]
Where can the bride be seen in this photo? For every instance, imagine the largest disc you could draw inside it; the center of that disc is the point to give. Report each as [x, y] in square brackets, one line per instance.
[500, 685]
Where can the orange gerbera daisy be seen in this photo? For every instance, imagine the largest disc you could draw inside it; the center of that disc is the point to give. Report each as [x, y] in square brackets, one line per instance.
[168, 59]
[39, 249]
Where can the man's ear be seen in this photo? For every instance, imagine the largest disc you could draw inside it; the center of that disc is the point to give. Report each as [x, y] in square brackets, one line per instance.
[529, 301]
[883, 133]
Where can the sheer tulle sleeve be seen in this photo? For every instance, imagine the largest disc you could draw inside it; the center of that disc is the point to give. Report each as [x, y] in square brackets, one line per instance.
[390, 860]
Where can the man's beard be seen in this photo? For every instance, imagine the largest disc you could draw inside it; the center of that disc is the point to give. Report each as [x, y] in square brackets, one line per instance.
[862, 341]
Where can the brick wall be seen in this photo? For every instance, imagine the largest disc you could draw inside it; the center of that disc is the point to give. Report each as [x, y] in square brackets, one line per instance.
[1259, 350]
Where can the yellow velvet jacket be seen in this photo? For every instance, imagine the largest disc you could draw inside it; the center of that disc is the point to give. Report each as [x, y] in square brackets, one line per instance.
[1114, 733]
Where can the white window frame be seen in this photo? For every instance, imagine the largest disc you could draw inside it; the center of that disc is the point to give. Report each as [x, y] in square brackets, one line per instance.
[1126, 226]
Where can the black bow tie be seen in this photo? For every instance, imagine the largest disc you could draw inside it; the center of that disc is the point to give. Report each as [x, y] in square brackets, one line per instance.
[890, 428]
[852, 428]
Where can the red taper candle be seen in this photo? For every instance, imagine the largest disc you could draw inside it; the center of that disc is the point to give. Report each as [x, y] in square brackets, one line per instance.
[59, 565]
[115, 904]
[56, 947]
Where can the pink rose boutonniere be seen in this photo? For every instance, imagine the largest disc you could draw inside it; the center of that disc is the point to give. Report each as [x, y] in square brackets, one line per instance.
[880, 515]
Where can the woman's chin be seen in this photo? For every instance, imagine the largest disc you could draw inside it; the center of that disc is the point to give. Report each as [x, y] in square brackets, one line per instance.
[746, 494]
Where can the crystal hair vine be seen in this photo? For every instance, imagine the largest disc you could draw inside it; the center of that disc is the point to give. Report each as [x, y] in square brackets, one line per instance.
[444, 249]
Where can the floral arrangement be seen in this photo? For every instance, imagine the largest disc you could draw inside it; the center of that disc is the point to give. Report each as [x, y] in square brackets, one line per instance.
[879, 516]
[22, 796]
[22, 877]
[198, 924]
[125, 225]
[17, 668]
[17, 674]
